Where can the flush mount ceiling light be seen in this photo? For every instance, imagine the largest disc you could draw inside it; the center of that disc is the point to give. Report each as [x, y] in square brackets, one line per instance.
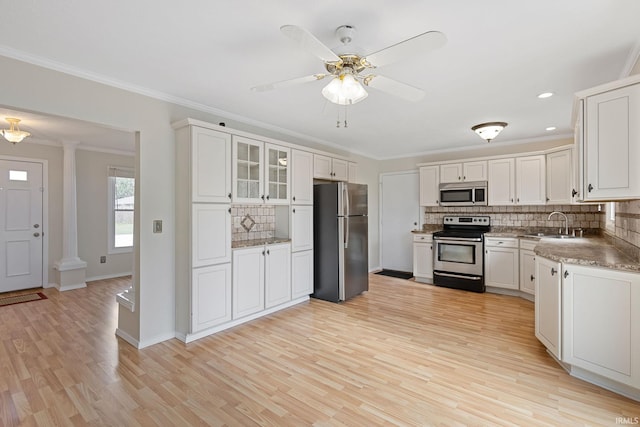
[14, 134]
[545, 95]
[550, 128]
[489, 130]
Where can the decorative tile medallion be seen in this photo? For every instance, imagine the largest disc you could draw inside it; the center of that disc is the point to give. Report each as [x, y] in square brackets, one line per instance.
[247, 222]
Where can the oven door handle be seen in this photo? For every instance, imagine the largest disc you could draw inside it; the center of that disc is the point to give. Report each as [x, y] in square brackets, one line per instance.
[463, 239]
[457, 276]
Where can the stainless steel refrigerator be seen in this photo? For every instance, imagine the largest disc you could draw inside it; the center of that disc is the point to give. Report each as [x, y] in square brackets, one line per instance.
[340, 242]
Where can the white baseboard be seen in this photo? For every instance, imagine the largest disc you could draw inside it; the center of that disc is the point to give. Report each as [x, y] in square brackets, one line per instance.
[375, 269]
[70, 287]
[187, 338]
[128, 338]
[108, 276]
[156, 340]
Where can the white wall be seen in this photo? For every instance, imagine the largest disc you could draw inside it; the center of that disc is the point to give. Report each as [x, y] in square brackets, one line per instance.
[92, 201]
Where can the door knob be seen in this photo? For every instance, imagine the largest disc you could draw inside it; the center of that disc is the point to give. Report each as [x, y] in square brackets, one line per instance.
[36, 234]
[532, 278]
[553, 271]
[36, 225]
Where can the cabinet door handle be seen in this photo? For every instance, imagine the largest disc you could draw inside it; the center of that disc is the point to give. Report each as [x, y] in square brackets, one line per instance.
[518, 200]
[590, 188]
[532, 278]
[36, 234]
[263, 253]
[229, 210]
[262, 197]
[566, 274]
[294, 198]
[573, 192]
[267, 197]
[500, 243]
[294, 210]
[268, 252]
[553, 271]
[229, 195]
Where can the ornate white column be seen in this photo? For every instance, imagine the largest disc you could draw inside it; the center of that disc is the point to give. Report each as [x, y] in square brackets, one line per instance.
[71, 269]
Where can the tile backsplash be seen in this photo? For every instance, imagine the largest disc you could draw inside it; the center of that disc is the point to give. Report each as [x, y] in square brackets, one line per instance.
[251, 222]
[579, 216]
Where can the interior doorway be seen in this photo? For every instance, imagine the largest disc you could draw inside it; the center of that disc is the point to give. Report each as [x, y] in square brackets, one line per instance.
[399, 214]
[22, 231]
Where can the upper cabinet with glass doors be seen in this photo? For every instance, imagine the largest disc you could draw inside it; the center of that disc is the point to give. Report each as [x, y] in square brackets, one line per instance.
[261, 172]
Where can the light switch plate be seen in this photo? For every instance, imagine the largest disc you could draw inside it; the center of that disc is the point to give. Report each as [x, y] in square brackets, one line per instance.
[157, 226]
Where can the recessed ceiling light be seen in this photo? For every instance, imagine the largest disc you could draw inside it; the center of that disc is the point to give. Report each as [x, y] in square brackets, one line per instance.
[545, 95]
[551, 128]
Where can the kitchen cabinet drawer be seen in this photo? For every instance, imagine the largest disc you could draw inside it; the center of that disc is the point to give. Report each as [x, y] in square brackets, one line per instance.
[503, 242]
[422, 237]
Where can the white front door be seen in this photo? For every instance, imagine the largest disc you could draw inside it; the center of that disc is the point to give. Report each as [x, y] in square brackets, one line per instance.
[21, 227]
[399, 214]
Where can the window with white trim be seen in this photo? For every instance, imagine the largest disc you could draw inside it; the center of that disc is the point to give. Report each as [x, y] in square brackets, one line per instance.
[121, 205]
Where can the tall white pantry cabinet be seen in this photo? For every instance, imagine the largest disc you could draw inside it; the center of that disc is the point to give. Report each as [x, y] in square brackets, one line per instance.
[203, 229]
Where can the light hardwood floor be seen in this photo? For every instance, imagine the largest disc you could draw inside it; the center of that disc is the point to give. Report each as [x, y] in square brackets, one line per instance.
[401, 354]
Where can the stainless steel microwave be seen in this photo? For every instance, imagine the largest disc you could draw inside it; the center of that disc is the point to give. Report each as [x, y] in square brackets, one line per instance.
[472, 193]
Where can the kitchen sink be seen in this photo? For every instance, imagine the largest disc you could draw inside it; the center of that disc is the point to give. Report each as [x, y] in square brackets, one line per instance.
[552, 236]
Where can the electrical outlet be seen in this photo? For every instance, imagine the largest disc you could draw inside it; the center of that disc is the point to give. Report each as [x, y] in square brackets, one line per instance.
[103, 259]
[157, 226]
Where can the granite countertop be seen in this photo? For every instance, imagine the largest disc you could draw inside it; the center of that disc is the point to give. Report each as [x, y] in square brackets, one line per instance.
[428, 229]
[258, 242]
[592, 251]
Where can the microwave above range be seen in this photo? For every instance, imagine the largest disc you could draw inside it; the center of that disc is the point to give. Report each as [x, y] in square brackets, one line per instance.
[472, 193]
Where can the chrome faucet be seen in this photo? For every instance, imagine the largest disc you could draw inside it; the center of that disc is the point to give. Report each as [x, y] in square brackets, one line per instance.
[566, 221]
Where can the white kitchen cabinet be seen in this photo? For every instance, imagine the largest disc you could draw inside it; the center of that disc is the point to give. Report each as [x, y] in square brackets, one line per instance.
[203, 229]
[277, 274]
[301, 228]
[612, 144]
[519, 181]
[548, 305]
[353, 172]
[601, 322]
[429, 185]
[301, 274]
[559, 165]
[467, 171]
[423, 258]
[248, 186]
[530, 180]
[451, 172]
[501, 181]
[210, 165]
[261, 172]
[501, 262]
[248, 281]
[527, 266]
[277, 174]
[261, 278]
[301, 177]
[325, 167]
[210, 234]
[210, 296]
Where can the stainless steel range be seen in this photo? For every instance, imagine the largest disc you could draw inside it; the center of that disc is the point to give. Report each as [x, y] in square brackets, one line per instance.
[458, 260]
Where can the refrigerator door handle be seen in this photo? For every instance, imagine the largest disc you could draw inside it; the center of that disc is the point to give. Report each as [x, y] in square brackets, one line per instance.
[346, 198]
[346, 232]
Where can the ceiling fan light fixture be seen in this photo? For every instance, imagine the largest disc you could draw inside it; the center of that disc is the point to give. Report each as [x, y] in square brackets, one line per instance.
[14, 134]
[344, 90]
[489, 130]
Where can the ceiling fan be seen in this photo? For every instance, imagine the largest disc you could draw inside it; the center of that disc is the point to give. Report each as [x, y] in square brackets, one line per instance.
[349, 70]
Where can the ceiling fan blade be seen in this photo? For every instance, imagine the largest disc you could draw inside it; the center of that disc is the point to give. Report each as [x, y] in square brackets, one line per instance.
[414, 46]
[394, 87]
[290, 82]
[309, 42]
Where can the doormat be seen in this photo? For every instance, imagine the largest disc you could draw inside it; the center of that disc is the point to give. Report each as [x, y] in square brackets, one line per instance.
[22, 298]
[395, 273]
